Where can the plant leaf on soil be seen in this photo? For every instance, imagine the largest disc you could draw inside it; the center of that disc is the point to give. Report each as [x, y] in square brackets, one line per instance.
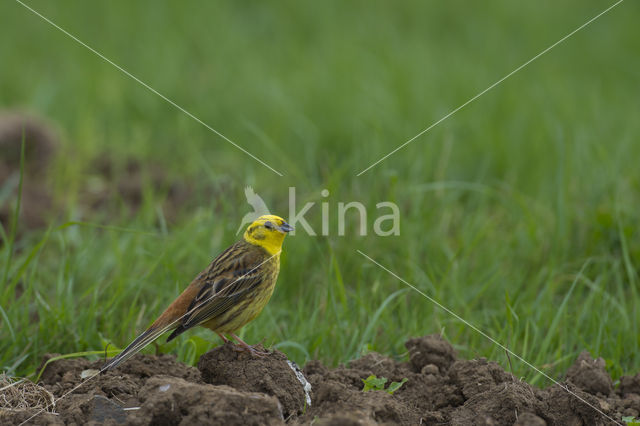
[373, 383]
[377, 383]
[394, 386]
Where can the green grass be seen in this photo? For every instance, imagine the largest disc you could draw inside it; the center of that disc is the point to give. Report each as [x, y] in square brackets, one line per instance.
[519, 213]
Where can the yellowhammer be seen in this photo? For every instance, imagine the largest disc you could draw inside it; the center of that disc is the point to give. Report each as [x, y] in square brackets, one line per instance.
[228, 294]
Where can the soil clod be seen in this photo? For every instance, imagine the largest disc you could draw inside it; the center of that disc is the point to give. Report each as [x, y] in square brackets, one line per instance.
[590, 375]
[174, 401]
[269, 374]
[430, 350]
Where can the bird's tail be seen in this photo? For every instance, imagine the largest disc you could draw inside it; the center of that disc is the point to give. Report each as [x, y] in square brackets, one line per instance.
[136, 346]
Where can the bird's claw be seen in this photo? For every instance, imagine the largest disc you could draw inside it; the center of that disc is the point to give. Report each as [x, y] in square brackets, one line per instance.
[239, 347]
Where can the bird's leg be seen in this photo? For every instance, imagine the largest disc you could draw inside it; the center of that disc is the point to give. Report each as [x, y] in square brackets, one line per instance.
[222, 336]
[246, 347]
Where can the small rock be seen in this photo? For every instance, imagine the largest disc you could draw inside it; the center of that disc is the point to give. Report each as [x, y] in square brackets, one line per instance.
[104, 409]
[430, 369]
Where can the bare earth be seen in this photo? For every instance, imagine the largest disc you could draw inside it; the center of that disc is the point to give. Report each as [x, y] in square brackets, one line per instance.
[232, 388]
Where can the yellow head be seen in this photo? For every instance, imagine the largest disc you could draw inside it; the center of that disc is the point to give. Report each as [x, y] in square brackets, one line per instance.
[268, 232]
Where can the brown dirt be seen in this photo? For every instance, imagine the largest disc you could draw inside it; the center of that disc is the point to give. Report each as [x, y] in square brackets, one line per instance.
[113, 183]
[233, 388]
[41, 143]
[109, 184]
[269, 375]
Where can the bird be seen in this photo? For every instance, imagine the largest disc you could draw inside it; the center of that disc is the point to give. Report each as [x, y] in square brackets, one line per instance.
[228, 294]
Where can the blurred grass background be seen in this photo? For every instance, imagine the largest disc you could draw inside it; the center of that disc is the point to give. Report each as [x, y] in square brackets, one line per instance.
[519, 213]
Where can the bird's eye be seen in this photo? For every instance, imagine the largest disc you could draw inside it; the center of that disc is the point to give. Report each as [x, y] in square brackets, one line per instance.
[268, 225]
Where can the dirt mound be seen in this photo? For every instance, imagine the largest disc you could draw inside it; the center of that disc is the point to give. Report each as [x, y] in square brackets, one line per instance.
[41, 142]
[590, 375]
[234, 388]
[270, 375]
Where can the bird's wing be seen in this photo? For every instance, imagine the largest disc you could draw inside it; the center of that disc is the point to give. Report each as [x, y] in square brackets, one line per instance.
[220, 293]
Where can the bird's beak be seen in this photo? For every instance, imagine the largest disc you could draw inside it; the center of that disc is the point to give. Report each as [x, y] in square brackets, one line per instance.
[285, 227]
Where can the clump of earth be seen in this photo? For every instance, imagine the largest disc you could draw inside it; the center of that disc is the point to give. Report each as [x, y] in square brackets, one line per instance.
[108, 184]
[234, 388]
[41, 141]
